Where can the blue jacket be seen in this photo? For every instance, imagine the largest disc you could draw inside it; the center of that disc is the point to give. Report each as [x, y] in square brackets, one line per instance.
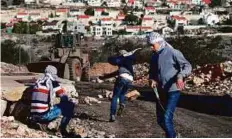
[125, 64]
[166, 66]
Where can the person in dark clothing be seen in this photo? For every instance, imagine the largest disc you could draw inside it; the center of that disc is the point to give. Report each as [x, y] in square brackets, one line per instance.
[125, 77]
[43, 109]
[168, 68]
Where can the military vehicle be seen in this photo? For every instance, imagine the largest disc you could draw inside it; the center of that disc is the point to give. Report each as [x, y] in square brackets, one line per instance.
[68, 55]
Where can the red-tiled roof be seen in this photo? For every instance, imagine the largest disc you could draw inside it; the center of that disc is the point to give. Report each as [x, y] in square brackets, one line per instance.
[82, 16]
[34, 13]
[99, 9]
[133, 27]
[61, 10]
[117, 19]
[146, 27]
[131, 1]
[43, 19]
[147, 18]
[178, 18]
[149, 8]
[207, 1]
[106, 19]
[22, 14]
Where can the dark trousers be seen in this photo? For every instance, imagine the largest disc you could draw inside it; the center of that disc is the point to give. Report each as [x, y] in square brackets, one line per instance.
[120, 88]
[63, 108]
[165, 117]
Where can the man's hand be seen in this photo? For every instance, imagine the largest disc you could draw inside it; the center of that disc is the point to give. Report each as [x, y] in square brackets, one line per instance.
[152, 83]
[180, 84]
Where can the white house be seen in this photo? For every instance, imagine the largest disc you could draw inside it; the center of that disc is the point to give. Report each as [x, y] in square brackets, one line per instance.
[196, 2]
[76, 26]
[99, 31]
[34, 16]
[113, 13]
[75, 12]
[62, 12]
[113, 3]
[150, 11]
[106, 22]
[179, 21]
[210, 19]
[94, 2]
[147, 21]
[83, 19]
[98, 12]
[24, 16]
[121, 16]
[138, 4]
[53, 25]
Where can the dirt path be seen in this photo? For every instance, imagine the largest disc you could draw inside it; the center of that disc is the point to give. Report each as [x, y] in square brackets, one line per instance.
[139, 121]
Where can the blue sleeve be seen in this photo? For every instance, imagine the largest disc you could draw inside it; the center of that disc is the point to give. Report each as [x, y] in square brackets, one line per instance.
[185, 66]
[115, 60]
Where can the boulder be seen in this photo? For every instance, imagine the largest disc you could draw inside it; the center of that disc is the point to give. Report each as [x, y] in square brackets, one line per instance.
[132, 95]
[3, 106]
[14, 94]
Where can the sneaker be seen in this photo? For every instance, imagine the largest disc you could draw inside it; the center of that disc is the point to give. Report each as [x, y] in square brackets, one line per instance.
[112, 118]
[120, 110]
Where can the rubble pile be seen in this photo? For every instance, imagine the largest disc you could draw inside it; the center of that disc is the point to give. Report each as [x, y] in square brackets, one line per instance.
[141, 74]
[210, 79]
[14, 129]
[10, 68]
[82, 128]
[214, 79]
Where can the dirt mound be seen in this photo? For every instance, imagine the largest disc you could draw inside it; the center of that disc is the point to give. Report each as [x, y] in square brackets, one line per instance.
[99, 69]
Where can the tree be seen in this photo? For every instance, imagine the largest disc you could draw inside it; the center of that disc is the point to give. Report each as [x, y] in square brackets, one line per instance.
[215, 3]
[51, 15]
[3, 25]
[11, 52]
[131, 19]
[89, 11]
[25, 28]
[104, 13]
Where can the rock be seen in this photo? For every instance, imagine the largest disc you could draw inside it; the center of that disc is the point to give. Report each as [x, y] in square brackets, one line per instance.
[227, 66]
[14, 94]
[21, 130]
[81, 131]
[5, 118]
[90, 100]
[3, 106]
[54, 125]
[108, 94]
[110, 136]
[132, 95]
[100, 96]
[198, 81]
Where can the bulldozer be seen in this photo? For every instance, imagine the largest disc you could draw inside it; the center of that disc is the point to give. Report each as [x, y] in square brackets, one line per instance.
[68, 55]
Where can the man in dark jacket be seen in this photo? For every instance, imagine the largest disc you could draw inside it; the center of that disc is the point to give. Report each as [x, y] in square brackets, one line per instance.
[125, 77]
[168, 68]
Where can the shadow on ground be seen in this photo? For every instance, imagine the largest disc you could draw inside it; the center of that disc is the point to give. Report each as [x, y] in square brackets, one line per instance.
[214, 105]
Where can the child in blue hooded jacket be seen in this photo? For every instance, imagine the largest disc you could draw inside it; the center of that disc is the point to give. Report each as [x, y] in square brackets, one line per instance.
[125, 77]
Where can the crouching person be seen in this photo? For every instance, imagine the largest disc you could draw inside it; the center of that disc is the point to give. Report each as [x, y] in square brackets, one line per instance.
[43, 95]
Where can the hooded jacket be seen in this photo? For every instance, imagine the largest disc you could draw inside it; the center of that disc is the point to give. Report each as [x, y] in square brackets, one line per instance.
[166, 66]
